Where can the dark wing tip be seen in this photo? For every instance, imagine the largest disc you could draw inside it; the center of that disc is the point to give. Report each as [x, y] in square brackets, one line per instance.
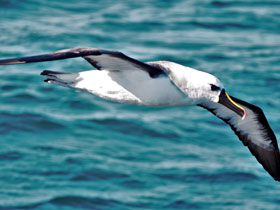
[58, 55]
[11, 61]
[269, 159]
[45, 72]
[255, 133]
[48, 72]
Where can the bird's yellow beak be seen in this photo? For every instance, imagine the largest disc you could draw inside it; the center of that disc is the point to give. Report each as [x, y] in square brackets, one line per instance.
[225, 100]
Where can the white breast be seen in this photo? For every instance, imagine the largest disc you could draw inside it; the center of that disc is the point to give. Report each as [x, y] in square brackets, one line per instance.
[131, 87]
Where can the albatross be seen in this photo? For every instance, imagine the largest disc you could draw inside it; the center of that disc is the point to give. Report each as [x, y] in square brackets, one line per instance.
[124, 79]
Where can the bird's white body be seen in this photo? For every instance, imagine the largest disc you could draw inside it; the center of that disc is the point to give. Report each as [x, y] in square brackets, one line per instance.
[182, 86]
[135, 87]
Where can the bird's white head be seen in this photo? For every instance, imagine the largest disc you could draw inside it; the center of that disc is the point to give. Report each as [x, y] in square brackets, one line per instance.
[199, 86]
[211, 90]
[208, 87]
[202, 87]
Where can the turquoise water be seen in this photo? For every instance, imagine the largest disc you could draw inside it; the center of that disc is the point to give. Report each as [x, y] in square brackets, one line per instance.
[63, 149]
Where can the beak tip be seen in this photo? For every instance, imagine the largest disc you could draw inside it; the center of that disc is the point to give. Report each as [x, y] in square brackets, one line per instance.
[12, 62]
[244, 115]
[226, 100]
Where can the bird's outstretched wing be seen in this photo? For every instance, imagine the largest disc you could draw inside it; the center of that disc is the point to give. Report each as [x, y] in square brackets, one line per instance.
[99, 58]
[254, 131]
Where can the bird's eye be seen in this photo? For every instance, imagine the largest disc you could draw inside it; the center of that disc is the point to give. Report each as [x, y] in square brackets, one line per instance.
[214, 87]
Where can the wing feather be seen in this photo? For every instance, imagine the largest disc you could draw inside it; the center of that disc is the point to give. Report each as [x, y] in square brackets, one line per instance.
[99, 58]
[254, 131]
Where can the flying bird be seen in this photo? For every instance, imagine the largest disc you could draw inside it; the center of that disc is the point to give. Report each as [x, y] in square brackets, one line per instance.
[162, 83]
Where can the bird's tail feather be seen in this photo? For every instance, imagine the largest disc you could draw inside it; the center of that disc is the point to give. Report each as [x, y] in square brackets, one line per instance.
[60, 78]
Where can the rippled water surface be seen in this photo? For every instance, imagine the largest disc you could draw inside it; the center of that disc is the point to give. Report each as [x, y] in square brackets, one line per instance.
[63, 149]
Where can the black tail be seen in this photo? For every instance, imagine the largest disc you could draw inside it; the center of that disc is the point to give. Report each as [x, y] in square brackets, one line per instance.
[49, 72]
[60, 78]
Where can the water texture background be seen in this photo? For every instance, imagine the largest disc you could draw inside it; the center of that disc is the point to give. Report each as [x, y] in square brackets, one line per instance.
[63, 149]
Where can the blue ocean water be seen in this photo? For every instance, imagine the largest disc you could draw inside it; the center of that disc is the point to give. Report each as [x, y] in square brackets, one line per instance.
[64, 149]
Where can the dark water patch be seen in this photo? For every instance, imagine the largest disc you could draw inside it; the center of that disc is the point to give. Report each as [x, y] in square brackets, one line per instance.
[152, 23]
[135, 26]
[241, 4]
[10, 87]
[21, 78]
[18, 207]
[142, 205]
[133, 128]
[8, 4]
[134, 184]
[112, 15]
[216, 25]
[189, 130]
[10, 156]
[45, 172]
[150, 156]
[54, 173]
[188, 157]
[180, 204]
[12, 178]
[255, 4]
[86, 203]
[272, 81]
[74, 36]
[22, 97]
[129, 157]
[178, 45]
[220, 3]
[256, 47]
[182, 61]
[73, 202]
[271, 104]
[98, 174]
[277, 201]
[51, 149]
[226, 177]
[80, 105]
[73, 7]
[47, 89]
[26, 122]
[74, 161]
[48, 125]
[216, 57]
